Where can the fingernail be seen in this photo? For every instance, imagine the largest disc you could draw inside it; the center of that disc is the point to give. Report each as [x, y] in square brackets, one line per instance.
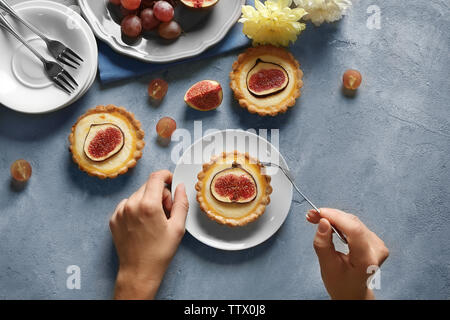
[323, 227]
[182, 187]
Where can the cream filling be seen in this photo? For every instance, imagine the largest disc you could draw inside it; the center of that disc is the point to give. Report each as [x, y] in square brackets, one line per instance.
[233, 210]
[116, 161]
[272, 100]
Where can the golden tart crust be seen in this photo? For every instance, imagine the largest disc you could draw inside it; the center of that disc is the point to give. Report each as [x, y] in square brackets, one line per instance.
[119, 163]
[233, 214]
[273, 104]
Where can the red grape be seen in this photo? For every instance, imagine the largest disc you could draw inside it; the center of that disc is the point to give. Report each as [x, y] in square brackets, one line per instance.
[169, 30]
[131, 26]
[149, 22]
[163, 11]
[116, 2]
[165, 127]
[21, 170]
[157, 89]
[352, 79]
[130, 4]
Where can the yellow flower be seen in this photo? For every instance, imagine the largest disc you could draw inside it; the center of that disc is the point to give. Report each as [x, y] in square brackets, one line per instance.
[273, 22]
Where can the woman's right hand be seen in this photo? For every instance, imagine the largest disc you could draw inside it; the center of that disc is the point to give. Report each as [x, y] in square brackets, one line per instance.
[345, 276]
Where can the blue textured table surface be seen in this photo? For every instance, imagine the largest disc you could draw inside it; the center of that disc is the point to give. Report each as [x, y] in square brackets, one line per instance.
[383, 155]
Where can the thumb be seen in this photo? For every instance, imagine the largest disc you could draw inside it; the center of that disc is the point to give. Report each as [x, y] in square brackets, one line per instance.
[180, 206]
[323, 245]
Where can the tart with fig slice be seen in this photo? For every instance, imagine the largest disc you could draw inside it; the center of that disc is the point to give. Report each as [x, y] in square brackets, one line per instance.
[232, 189]
[106, 141]
[266, 80]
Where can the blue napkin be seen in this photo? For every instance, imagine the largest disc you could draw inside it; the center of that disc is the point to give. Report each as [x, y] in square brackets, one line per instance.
[113, 66]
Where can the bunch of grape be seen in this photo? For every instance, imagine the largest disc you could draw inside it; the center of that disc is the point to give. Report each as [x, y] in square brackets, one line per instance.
[145, 15]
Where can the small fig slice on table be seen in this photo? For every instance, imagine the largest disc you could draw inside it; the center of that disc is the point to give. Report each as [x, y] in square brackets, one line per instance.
[266, 78]
[234, 185]
[204, 95]
[103, 141]
[199, 4]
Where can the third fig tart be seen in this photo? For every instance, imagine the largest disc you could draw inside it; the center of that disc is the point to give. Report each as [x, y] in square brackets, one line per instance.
[232, 189]
[266, 80]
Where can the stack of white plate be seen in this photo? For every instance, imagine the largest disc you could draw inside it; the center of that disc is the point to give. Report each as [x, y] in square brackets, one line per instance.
[24, 86]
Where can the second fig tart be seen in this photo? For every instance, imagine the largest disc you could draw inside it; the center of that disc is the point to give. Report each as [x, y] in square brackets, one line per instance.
[106, 141]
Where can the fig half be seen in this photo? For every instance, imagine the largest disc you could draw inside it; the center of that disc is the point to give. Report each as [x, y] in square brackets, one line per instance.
[234, 185]
[266, 78]
[103, 141]
[199, 4]
[204, 95]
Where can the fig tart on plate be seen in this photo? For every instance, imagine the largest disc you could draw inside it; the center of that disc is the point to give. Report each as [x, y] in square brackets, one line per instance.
[232, 189]
[266, 80]
[106, 141]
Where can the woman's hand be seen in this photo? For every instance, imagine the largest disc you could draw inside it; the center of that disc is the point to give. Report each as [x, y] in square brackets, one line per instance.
[345, 276]
[145, 237]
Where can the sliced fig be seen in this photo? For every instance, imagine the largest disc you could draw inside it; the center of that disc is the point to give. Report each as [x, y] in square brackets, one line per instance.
[266, 78]
[199, 4]
[204, 95]
[103, 141]
[235, 185]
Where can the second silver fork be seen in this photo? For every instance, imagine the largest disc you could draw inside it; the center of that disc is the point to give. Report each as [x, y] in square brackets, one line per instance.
[53, 70]
[59, 51]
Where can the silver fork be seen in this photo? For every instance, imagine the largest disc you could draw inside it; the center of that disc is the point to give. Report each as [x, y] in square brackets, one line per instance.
[58, 50]
[54, 71]
[288, 175]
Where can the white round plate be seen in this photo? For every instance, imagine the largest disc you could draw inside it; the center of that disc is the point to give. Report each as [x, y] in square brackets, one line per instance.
[210, 232]
[25, 88]
[202, 29]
